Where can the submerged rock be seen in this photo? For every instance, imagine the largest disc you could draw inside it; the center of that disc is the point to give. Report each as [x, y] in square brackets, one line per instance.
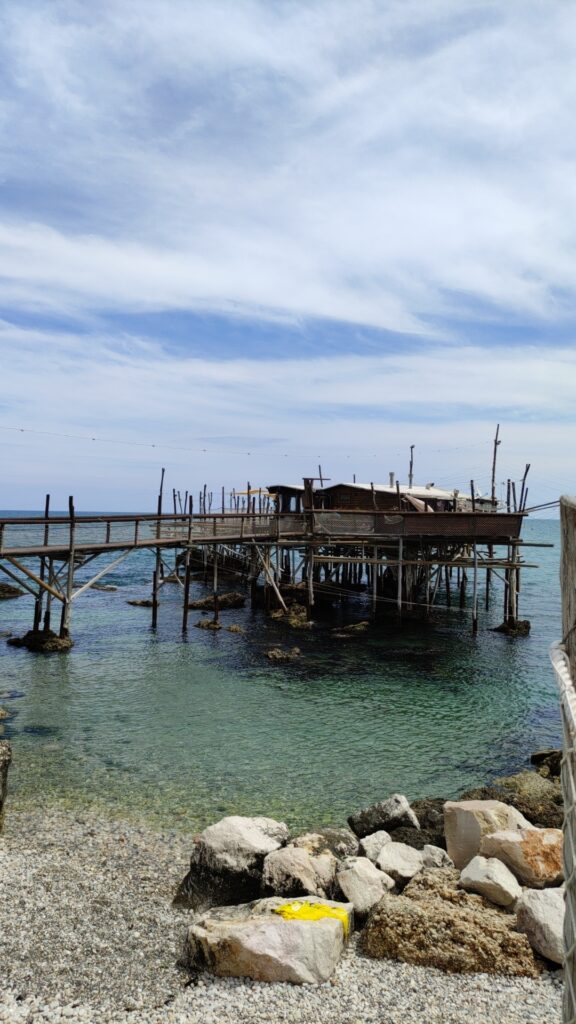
[42, 641]
[144, 602]
[227, 861]
[435, 924]
[5, 761]
[9, 593]
[278, 655]
[296, 617]
[299, 941]
[231, 599]
[547, 763]
[388, 815]
[208, 624]
[520, 628]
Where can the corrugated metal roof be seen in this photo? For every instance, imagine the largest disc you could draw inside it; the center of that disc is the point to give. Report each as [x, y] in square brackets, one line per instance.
[417, 490]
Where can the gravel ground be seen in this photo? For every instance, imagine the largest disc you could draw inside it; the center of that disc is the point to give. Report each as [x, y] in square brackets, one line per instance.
[87, 933]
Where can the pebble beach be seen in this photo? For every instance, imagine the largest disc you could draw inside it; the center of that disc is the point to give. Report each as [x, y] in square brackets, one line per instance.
[88, 933]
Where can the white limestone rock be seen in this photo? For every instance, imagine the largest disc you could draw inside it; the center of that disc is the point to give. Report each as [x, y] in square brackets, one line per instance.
[370, 846]
[226, 861]
[491, 878]
[467, 821]
[400, 861]
[436, 857]
[362, 884]
[395, 812]
[293, 871]
[252, 941]
[534, 854]
[540, 916]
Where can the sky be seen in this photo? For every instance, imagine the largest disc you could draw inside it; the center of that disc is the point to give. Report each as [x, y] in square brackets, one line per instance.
[240, 239]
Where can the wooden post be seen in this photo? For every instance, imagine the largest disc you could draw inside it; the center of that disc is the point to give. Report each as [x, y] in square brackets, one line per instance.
[374, 582]
[400, 575]
[448, 593]
[215, 582]
[463, 582]
[40, 598]
[48, 612]
[186, 590]
[411, 468]
[475, 594]
[67, 603]
[310, 580]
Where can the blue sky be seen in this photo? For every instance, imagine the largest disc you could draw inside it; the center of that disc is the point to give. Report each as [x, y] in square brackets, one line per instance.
[239, 238]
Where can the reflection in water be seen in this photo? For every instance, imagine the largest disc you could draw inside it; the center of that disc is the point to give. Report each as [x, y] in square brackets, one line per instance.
[181, 732]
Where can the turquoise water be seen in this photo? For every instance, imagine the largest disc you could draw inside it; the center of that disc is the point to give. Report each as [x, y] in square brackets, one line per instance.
[179, 732]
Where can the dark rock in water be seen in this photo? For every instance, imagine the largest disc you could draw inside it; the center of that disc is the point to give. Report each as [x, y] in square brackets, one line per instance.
[208, 624]
[5, 759]
[418, 838]
[353, 630]
[520, 628]
[144, 602]
[434, 923]
[278, 655]
[235, 628]
[339, 841]
[102, 586]
[232, 599]
[227, 861]
[4, 714]
[42, 641]
[430, 814]
[390, 814]
[547, 763]
[296, 617]
[537, 798]
[8, 592]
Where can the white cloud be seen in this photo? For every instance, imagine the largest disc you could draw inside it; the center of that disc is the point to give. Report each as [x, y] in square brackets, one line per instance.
[376, 163]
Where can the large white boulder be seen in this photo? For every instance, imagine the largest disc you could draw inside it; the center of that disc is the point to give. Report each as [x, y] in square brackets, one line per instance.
[256, 941]
[491, 878]
[467, 821]
[227, 859]
[394, 812]
[540, 915]
[293, 871]
[362, 884]
[371, 845]
[534, 854]
[400, 861]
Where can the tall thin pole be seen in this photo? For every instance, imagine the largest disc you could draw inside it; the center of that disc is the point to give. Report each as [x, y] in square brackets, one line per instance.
[39, 599]
[411, 468]
[494, 455]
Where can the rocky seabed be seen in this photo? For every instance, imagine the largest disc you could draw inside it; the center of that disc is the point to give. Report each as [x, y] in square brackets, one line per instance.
[433, 911]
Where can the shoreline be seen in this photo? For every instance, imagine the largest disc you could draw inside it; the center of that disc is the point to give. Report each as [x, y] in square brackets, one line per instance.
[88, 933]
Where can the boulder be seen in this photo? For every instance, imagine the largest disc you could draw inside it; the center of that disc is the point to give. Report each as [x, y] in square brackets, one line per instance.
[537, 798]
[547, 762]
[418, 838]
[371, 846]
[435, 924]
[339, 841]
[271, 940]
[491, 878]
[399, 861]
[5, 761]
[362, 884]
[232, 599]
[293, 871]
[466, 821]
[540, 916]
[227, 861]
[8, 592]
[388, 815]
[534, 855]
[430, 814]
[436, 857]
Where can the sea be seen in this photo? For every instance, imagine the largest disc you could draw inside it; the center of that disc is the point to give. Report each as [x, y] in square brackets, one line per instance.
[177, 731]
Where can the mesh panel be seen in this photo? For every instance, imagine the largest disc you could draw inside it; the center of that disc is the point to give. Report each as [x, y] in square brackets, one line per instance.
[568, 774]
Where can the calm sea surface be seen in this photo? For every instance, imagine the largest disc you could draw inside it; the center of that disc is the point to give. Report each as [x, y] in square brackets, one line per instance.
[180, 732]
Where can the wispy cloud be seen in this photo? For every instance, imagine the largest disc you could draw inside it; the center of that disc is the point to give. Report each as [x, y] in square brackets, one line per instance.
[401, 169]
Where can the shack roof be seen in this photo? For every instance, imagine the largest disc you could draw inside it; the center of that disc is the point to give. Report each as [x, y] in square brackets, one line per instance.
[426, 490]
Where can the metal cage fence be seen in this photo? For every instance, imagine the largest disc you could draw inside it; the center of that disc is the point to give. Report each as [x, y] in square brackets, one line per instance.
[568, 776]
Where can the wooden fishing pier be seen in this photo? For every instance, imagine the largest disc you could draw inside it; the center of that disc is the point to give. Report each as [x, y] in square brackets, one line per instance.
[399, 556]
